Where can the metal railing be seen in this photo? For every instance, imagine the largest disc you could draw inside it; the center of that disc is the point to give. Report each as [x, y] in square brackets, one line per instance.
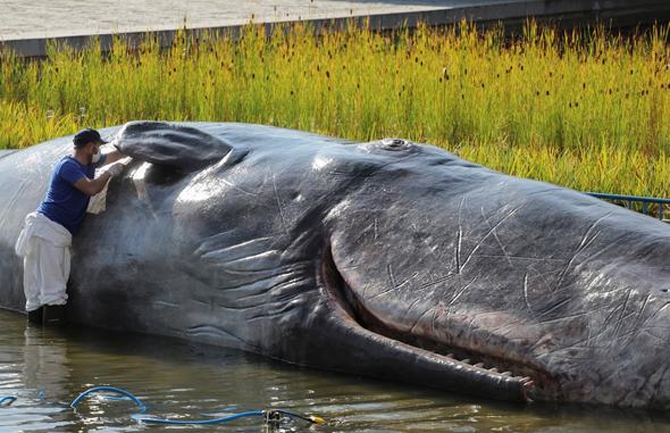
[654, 207]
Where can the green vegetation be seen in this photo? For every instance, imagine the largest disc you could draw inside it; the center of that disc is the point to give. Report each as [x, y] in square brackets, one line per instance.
[591, 112]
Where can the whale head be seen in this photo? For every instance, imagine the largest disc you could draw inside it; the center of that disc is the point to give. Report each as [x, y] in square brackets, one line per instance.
[400, 260]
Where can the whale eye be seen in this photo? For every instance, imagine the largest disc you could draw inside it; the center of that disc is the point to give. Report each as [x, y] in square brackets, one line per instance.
[394, 144]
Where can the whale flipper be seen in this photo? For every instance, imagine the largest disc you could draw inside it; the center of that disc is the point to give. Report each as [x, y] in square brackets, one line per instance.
[172, 145]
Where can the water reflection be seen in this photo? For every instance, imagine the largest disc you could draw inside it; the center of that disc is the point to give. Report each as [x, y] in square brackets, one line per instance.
[47, 368]
[44, 371]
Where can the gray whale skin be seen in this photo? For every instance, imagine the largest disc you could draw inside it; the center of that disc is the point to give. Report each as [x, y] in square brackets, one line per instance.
[387, 259]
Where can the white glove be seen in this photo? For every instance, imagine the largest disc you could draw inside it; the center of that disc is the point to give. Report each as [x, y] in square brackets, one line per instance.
[115, 169]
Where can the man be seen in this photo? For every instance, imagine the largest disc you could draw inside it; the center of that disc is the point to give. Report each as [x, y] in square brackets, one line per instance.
[45, 240]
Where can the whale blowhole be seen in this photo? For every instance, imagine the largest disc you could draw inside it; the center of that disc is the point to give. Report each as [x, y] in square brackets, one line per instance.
[394, 144]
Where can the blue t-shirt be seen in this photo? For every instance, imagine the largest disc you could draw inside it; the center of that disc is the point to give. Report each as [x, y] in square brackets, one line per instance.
[64, 203]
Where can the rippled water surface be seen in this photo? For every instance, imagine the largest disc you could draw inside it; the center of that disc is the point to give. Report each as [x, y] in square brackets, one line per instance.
[47, 368]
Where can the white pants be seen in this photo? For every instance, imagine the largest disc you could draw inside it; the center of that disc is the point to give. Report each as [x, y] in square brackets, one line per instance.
[45, 246]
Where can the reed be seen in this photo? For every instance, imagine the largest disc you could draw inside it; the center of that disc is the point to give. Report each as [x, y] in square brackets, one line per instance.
[588, 110]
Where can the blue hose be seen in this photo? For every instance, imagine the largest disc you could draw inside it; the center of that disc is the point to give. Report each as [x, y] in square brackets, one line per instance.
[269, 415]
[136, 400]
[152, 420]
[7, 401]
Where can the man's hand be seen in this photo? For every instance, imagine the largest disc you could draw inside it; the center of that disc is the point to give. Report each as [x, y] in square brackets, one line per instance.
[115, 170]
[92, 187]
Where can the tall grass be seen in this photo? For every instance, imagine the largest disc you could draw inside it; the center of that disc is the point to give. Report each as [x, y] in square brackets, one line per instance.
[587, 110]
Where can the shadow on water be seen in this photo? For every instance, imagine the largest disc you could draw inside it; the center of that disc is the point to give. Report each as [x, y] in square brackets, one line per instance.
[47, 368]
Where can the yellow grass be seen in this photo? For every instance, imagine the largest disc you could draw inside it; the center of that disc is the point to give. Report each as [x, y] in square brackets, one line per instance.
[589, 111]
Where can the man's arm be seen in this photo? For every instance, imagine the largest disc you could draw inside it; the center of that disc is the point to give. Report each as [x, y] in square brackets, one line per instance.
[112, 157]
[92, 187]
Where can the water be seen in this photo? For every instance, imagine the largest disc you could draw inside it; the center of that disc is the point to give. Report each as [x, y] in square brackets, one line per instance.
[47, 368]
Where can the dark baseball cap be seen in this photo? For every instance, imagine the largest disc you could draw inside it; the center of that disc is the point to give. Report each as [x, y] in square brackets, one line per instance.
[86, 136]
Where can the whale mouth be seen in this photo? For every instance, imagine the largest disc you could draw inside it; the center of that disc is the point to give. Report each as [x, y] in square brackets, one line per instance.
[533, 382]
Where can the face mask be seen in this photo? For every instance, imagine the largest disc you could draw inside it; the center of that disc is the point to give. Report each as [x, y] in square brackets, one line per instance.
[96, 158]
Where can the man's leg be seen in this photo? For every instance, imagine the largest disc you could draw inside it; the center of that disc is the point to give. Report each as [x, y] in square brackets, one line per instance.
[31, 286]
[55, 314]
[54, 270]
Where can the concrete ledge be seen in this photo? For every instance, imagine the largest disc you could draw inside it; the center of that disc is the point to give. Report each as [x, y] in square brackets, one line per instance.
[563, 13]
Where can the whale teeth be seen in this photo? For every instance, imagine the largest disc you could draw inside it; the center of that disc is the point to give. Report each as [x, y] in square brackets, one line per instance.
[450, 355]
[526, 380]
[493, 370]
[466, 361]
[506, 373]
[479, 364]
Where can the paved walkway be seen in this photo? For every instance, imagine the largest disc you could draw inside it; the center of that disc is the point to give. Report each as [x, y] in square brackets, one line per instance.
[28, 19]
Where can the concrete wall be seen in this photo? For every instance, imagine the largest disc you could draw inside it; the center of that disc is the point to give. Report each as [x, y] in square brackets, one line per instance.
[564, 13]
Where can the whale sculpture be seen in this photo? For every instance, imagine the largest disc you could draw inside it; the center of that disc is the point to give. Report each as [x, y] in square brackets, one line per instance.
[388, 259]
